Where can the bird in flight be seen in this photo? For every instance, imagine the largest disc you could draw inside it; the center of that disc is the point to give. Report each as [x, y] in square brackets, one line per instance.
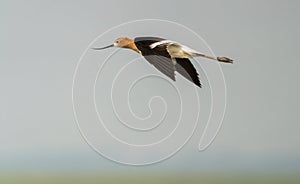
[166, 55]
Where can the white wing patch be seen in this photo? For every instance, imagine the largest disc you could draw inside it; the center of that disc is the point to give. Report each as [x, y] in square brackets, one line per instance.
[168, 42]
[176, 50]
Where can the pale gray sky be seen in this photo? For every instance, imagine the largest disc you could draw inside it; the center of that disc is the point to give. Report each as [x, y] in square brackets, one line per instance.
[41, 42]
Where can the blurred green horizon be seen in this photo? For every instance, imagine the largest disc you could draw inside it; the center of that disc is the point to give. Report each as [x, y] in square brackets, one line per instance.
[145, 179]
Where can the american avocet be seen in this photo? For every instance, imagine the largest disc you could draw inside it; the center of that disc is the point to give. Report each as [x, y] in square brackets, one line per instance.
[166, 55]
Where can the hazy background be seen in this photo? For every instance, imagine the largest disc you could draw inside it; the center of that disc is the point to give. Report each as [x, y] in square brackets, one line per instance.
[41, 42]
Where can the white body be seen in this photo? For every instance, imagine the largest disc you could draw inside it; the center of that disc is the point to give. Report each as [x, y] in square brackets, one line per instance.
[177, 50]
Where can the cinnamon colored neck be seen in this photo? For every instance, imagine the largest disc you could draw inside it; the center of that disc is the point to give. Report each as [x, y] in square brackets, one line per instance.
[132, 46]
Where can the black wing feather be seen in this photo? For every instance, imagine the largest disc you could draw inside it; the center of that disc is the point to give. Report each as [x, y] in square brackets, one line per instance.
[158, 56]
[187, 70]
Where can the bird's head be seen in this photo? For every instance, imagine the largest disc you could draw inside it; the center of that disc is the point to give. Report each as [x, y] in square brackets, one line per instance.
[122, 42]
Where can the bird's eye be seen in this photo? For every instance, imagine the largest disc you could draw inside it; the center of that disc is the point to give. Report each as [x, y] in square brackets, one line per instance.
[117, 41]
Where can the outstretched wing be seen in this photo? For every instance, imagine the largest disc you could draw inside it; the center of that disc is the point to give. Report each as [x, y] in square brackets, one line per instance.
[158, 56]
[163, 64]
[158, 51]
[187, 70]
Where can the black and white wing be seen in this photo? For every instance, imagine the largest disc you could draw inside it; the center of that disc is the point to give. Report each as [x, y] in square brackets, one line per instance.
[158, 56]
[158, 52]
